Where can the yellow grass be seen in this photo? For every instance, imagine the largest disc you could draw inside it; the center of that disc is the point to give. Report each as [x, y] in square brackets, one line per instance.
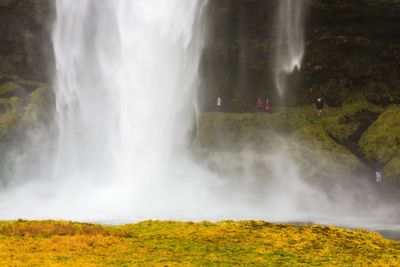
[155, 243]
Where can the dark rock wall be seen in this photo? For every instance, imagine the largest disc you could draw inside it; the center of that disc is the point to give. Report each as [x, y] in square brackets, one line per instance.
[237, 62]
[25, 38]
[353, 49]
[352, 52]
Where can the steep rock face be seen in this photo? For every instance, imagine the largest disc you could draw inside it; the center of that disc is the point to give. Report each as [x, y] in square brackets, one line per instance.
[237, 60]
[25, 38]
[26, 64]
[352, 51]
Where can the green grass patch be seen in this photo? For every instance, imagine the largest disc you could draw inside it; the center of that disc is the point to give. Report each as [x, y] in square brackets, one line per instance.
[382, 140]
[340, 140]
[7, 88]
[303, 131]
[156, 243]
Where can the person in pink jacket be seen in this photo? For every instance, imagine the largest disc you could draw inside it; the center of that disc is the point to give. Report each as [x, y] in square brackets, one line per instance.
[259, 105]
[267, 106]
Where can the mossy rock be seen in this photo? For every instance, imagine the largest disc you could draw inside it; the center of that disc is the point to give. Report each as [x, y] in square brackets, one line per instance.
[9, 121]
[37, 108]
[381, 142]
[8, 88]
[392, 169]
[23, 104]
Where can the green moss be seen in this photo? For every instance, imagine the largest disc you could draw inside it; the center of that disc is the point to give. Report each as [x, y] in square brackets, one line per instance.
[381, 142]
[235, 130]
[38, 107]
[338, 121]
[21, 114]
[300, 132]
[9, 121]
[7, 88]
[392, 169]
[304, 135]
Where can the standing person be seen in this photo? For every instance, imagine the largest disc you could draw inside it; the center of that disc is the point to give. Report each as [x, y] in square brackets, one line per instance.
[378, 174]
[259, 105]
[267, 106]
[319, 105]
[219, 103]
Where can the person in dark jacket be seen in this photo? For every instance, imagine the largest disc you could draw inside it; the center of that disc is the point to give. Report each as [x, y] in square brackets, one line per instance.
[319, 105]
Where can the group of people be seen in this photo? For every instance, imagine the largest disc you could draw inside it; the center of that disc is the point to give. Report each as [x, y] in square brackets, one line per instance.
[260, 107]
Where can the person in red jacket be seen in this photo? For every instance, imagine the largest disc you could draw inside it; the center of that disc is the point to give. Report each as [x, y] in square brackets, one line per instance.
[259, 105]
[267, 106]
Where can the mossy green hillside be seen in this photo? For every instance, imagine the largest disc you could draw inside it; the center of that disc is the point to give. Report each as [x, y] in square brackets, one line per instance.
[340, 122]
[255, 127]
[156, 243]
[392, 169]
[343, 138]
[302, 129]
[381, 142]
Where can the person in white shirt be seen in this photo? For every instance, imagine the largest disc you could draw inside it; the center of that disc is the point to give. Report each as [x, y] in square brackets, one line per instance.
[219, 103]
[378, 174]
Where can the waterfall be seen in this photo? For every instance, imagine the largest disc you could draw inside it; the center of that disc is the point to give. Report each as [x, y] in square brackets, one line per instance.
[125, 86]
[127, 75]
[290, 42]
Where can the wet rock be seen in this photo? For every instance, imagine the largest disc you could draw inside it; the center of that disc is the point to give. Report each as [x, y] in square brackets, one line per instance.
[352, 50]
[25, 38]
[6, 3]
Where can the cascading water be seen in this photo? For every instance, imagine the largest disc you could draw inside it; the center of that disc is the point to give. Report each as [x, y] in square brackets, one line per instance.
[290, 41]
[127, 73]
[123, 86]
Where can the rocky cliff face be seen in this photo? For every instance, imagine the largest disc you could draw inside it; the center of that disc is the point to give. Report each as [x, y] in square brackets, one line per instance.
[25, 38]
[26, 64]
[352, 51]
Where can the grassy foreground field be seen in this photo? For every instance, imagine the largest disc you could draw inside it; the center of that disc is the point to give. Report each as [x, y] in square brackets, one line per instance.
[155, 243]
